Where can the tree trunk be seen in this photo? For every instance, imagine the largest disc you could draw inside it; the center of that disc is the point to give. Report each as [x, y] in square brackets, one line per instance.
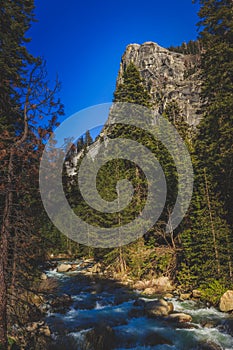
[212, 225]
[4, 253]
[5, 231]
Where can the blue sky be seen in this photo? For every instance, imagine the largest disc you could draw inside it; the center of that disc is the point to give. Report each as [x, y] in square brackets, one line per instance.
[83, 41]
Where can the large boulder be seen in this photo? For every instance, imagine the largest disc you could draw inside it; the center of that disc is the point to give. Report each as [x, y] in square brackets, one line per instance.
[64, 268]
[226, 301]
[158, 308]
[179, 318]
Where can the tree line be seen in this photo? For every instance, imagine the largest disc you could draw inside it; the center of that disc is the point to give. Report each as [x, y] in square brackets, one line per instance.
[200, 251]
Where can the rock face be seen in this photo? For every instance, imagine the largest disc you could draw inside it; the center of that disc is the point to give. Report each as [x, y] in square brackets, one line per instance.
[226, 301]
[168, 75]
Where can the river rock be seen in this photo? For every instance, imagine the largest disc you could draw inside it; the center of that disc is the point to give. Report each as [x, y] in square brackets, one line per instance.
[209, 345]
[61, 303]
[168, 296]
[33, 326]
[64, 268]
[149, 291]
[158, 308]
[45, 331]
[156, 285]
[179, 317]
[226, 301]
[43, 276]
[74, 267]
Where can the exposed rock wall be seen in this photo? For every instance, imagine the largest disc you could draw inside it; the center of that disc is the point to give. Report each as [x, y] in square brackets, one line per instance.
[168, 76]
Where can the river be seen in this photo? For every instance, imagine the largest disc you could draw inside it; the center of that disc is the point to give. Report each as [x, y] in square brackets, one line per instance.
[103, 315]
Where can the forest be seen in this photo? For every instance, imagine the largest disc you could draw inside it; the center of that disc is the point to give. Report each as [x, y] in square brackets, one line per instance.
[198, 254]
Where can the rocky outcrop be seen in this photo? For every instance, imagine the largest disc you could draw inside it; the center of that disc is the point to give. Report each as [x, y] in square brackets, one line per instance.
[156, 285]
[168, 76]
[226, 301]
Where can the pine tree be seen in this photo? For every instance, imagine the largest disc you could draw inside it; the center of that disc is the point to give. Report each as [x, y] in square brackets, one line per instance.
[25, 99]
[131, 89]
[216, 127]
[88, 139]
[207, 242]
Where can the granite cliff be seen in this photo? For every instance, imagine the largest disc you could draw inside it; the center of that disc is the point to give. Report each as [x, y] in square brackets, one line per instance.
[168, 76]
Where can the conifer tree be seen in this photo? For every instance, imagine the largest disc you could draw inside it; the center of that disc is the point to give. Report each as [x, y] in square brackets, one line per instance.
[216, 127]
[132, 89]
[25, 98]
[207, 242]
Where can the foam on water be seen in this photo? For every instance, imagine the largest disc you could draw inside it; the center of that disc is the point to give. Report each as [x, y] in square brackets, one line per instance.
[190, 307]
[90, 310]
[58, 275]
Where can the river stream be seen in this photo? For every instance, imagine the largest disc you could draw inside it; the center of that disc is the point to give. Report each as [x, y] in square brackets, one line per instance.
[105, 309]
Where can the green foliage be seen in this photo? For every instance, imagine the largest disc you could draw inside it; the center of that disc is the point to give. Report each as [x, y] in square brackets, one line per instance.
[175, 116]
[132, 90]
[190, 48]
[207, 247]
[216, 128]
[213, 289]
[185, 276]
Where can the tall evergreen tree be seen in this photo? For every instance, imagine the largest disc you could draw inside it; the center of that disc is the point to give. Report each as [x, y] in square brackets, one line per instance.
[216, 127]
[207, 242]
[132, 89]
[25, 98]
